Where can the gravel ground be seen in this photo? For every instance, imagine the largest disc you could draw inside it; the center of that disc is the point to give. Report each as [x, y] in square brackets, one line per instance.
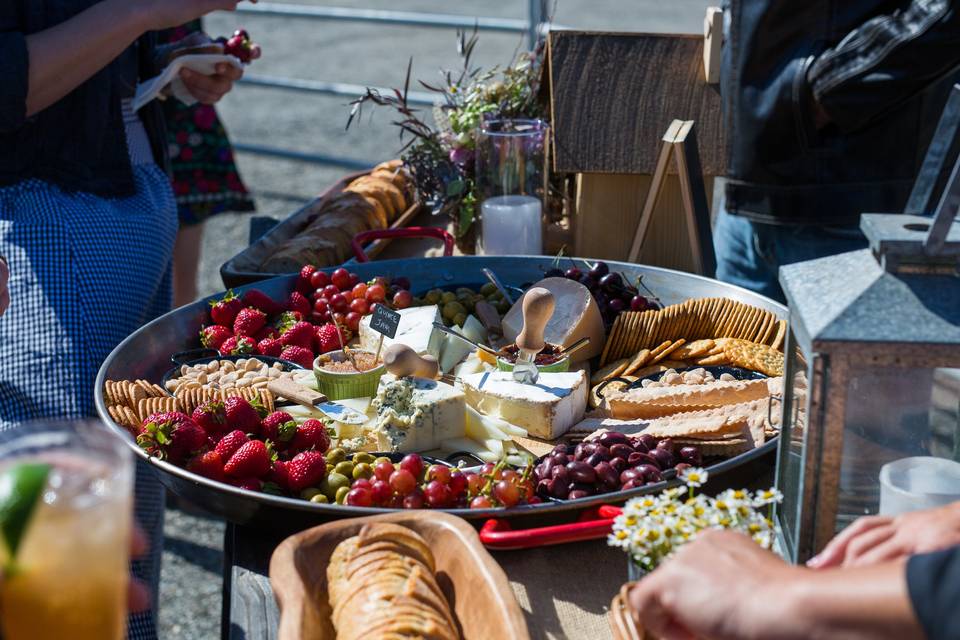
[345, 52]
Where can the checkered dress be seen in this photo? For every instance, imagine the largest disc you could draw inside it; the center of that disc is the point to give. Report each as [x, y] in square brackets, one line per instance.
[85, 272]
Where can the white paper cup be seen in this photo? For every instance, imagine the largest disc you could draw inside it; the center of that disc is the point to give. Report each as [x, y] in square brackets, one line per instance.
[911, 484]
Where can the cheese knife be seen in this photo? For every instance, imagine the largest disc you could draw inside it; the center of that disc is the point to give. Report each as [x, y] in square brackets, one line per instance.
[288, 388]
[538, 305]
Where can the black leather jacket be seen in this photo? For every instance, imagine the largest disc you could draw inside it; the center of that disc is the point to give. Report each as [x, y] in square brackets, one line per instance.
[880, 70]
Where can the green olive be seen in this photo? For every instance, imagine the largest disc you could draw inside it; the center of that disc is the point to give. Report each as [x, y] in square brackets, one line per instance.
[333, 481]
[342, 494]
[320, 499]
[448, 297]
[382, 459]
[345, 467]
[459, 319]
[464, 291]
[309, 492]
[362, 470]
[451, 309]
[336, 455]
[363, 456]
[488, 288]
[329, 467]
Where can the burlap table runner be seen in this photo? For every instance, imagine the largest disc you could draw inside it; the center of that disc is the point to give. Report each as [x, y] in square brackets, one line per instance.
[565, 590]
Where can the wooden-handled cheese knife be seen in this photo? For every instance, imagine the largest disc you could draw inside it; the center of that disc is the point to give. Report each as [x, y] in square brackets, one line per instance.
[538, 305]
[287, 387]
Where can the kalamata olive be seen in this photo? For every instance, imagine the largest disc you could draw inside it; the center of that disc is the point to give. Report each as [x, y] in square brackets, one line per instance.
[560, 473]
[543, 488]
[666, 444]
[648, 472]
[618, 464]
[691, 455]
[603, 451]
[559, 458]
[639, 445]
[648, 440]
[630, 474]
[621, 451]
[680, 468]
[588, 487]
[632, 484]
[608, 475]
[559, 488]
[576, 494]
[560, 448]
[610, 438]
[546, 467]
[594, 459]
[580, 471]
[578, 452]
[641, 458]
[664, 458]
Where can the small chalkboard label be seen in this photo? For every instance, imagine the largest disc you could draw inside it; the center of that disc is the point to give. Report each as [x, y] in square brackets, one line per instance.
[385, 321]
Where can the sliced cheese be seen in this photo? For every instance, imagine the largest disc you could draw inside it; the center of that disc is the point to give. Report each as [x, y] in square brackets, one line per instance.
[576, 315]
[416, 414]
[546, 409]
[415, 330]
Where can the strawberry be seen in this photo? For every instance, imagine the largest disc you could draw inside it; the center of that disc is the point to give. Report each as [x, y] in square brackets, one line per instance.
[293, 353]
[208, 465]
[306, 469]
[259, 300]
[211, 417]
[301, 334]
[279, 475]
[173, 436]
[215, 335]
[224, 310]
[249, 321]
[312, 434]
[298, 302]
[268, 331]
[238, 346]
[251, 460]
[270, 347]
[242, 415]
[303, 281]
[229, 443]
[327, 338]
[250, 484]
[279, 428]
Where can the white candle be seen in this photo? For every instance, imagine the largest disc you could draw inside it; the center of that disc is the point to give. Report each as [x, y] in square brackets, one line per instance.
[511, 226]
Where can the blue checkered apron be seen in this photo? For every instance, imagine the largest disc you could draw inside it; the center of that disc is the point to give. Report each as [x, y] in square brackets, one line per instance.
[85, 272]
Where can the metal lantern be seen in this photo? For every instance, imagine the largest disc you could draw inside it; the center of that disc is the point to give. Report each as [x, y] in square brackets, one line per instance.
[873, 362]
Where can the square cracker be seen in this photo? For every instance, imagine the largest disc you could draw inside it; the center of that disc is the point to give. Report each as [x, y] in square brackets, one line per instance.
[673, 346]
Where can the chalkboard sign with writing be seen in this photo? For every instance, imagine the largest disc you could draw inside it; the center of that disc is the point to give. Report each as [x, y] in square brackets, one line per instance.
[385, 321]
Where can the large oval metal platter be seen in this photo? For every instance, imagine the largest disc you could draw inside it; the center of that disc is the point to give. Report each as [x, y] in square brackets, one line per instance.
[146, 354]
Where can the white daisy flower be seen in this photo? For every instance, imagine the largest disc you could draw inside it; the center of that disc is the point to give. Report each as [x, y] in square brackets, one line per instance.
[694, 476]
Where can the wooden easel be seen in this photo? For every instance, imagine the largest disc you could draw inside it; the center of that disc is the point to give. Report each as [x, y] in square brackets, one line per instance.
[680, 143]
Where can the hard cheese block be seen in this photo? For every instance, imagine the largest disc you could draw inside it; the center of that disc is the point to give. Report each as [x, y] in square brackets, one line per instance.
[416, 414]
[576, 315]
[546, 409]
[415, 330]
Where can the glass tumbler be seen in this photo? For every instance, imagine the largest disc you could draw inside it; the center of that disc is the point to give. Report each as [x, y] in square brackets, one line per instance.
[511, 185]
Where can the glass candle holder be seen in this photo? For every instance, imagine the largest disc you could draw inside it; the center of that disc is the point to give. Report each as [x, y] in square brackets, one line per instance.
[511, 184]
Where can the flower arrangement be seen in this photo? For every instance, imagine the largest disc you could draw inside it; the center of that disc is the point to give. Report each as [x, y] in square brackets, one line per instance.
[440, 155]
[653, 528]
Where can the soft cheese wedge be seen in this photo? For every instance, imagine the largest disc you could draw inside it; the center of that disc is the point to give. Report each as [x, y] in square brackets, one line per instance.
[546, 409]
[416, 414]
[415, 330]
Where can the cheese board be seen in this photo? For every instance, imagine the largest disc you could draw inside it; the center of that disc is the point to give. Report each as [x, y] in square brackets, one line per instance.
[472, 406]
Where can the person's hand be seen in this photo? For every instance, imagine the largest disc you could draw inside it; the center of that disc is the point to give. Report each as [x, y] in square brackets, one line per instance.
[4, 290]
[210, 89]
[713, 588]
[164, 14]
[875, 539]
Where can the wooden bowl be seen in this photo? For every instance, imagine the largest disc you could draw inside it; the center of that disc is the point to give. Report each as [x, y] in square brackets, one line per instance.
[473, 583]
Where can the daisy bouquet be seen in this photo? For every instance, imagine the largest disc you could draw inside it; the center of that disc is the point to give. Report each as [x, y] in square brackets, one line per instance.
[652, 528]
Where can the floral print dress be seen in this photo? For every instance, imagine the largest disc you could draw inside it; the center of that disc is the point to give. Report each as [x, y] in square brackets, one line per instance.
[205, 178]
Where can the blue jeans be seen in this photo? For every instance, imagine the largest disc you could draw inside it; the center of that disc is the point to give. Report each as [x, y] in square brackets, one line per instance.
[749, 254]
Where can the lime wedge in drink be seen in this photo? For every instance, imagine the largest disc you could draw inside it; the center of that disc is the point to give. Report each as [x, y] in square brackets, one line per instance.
[20, 489]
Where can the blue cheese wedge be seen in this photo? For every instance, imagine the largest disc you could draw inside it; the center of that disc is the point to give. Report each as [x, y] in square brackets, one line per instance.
[416, 414]
[547, 409]
[415, 330]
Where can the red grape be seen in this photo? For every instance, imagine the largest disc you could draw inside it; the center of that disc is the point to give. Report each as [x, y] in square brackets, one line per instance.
[458, 483]
[323, 318]
[330, 290]
[414, 500]
[319, 279]
[341, 278]
[381, 492]
[437, 494]
[359, 305]
[402, 481]
[382, 470]
[383, 281]
[506, 493]
[509, 475]
[402, 299]
[487, 469]
[474, 483]
[402, 281]
[354, 279]
[481, 502]
[338, 302]
[439, 472]
[376, 293]
[360, 497]
[353, 321]
[359, 291]
[361, 483]
[412, 463]
[321, 306]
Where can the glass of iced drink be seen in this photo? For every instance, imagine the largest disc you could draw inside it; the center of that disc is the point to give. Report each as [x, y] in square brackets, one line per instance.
[65, 518]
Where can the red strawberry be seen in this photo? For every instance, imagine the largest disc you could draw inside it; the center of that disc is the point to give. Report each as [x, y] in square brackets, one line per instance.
[242, 415]
[259, 300]
[279, 475]
[293, 353]
[327, 338]
[300, 334]
[249, 321]
[251, 460]
[211, 417]
[224, 310]
[270, 347]
[312, 434]
[250, 484]
[279, 428]
[306, 470]
[268, 331]
[229, 443]
[173, 436]
[215, 335]
[208, 465]
[303, 281]
[297, 302]
[238, 346]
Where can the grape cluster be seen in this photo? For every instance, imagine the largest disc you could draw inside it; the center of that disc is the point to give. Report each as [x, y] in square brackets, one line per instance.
[612, 292]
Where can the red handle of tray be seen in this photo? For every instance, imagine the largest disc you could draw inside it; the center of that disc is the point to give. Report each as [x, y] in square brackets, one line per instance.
[406, 232]
[592, 524]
